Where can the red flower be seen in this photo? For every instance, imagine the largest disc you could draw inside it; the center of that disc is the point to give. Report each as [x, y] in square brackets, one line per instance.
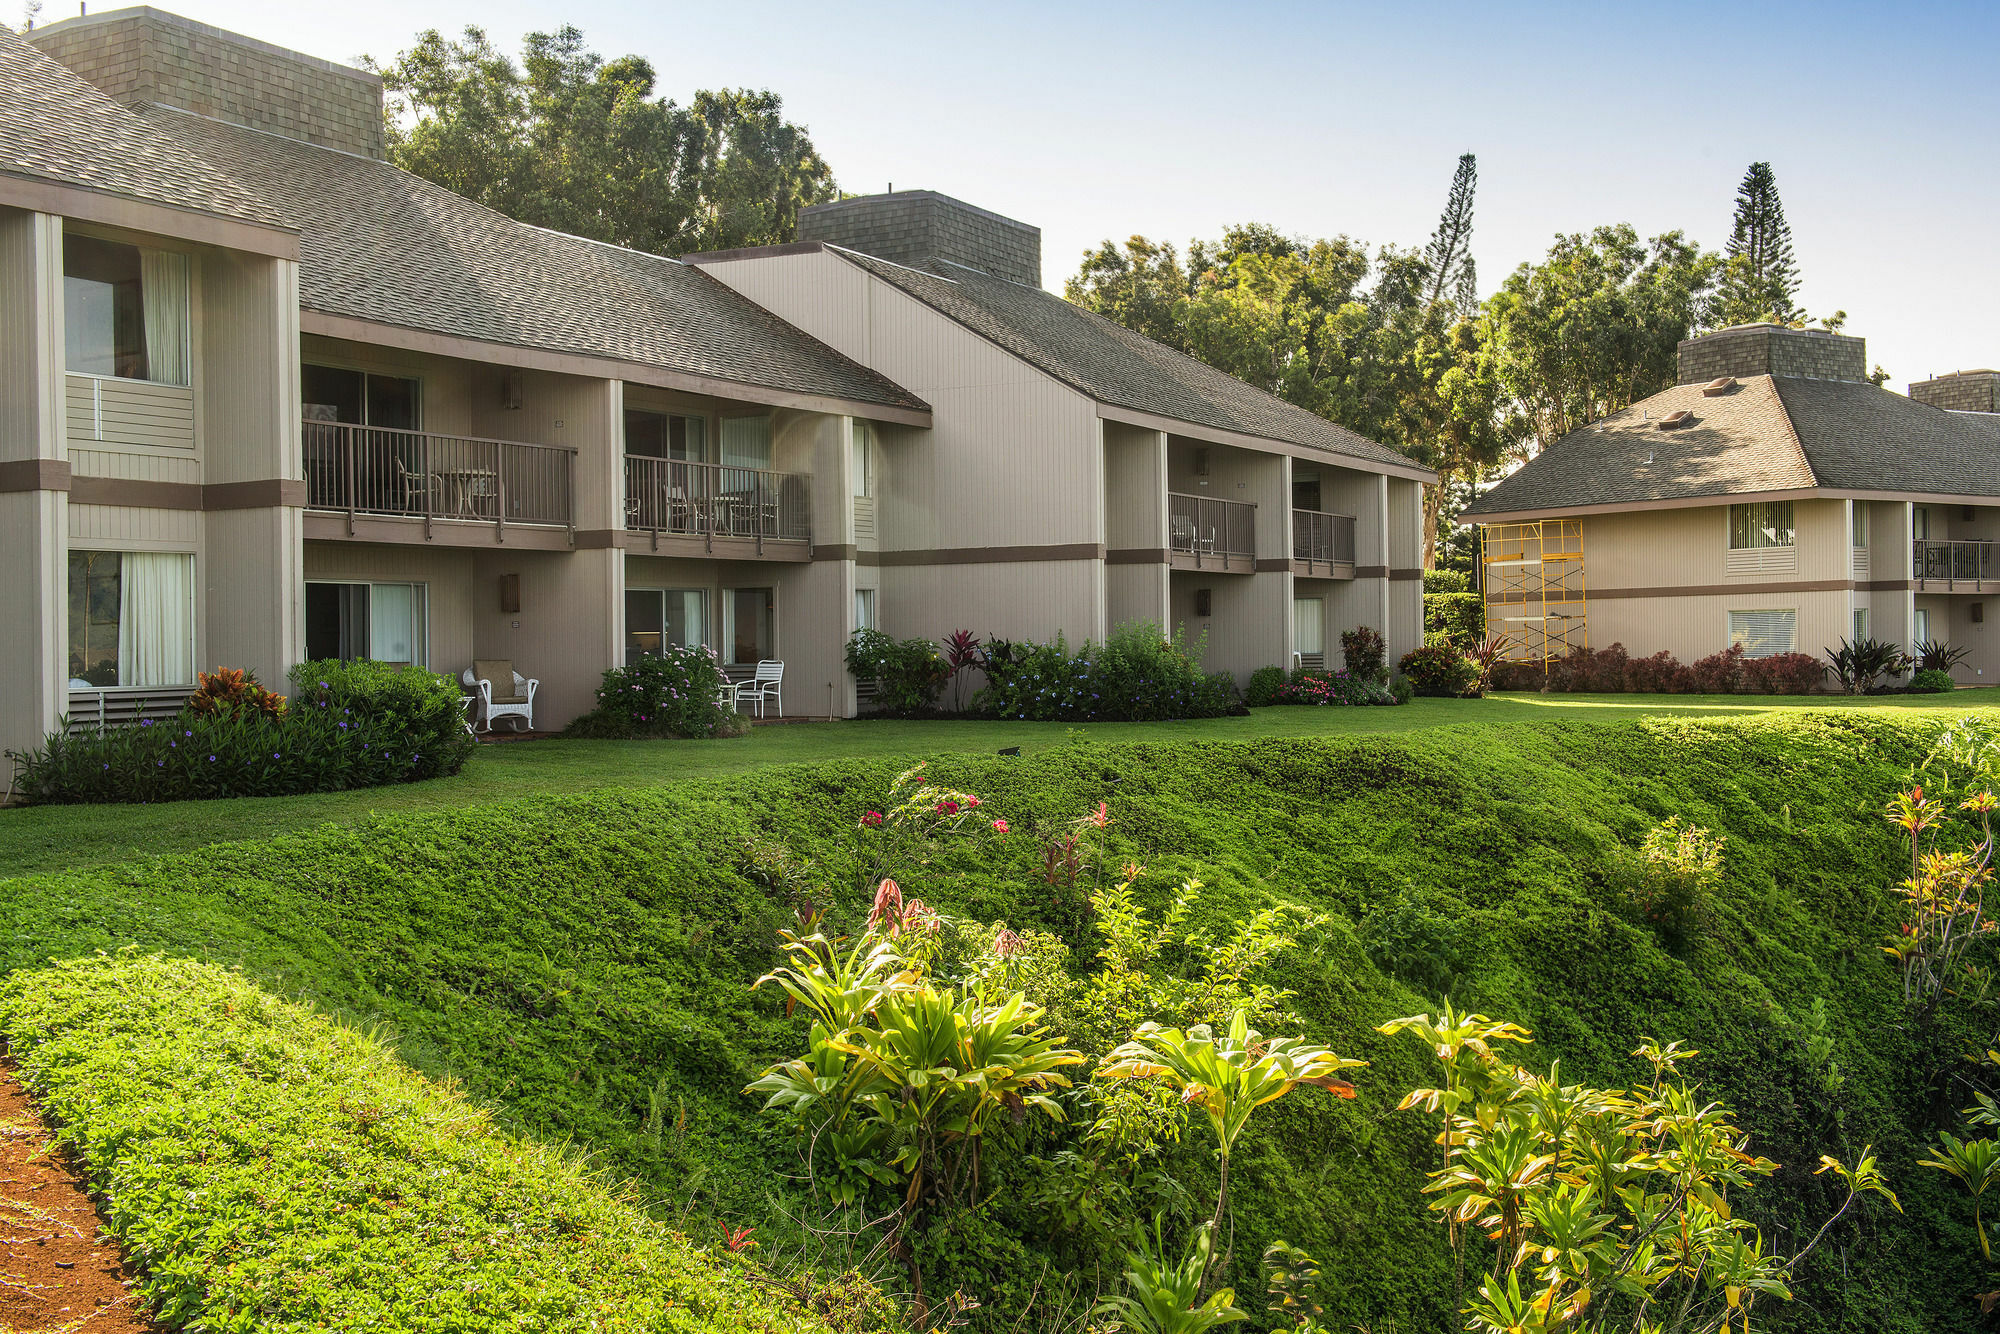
[872, 820]
[999, 826]
[947, 808]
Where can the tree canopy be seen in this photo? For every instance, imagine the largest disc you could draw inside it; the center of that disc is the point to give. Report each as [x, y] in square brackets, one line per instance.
[1761, 279]
[568, 140]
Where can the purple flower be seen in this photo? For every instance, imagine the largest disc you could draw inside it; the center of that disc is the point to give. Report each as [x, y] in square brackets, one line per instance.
[274, 754]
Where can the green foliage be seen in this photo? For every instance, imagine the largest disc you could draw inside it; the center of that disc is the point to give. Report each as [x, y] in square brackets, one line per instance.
[907, 673]
[1931, 681]
[1319, 688]
[1680, 868]
[1935, 655]
[673, 693]
[1139, 674]
[267, 1169]
[1265, 683]
[1859, 664]
[349, 725]
[231, 690]
[571, 141]
[1447, 581]
[1365, 652]
[1457, 619]
[1163, 1291]
[1760, 281]
[1439, 670]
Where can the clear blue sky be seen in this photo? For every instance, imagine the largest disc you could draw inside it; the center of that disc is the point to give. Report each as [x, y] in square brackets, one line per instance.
[1175, 119]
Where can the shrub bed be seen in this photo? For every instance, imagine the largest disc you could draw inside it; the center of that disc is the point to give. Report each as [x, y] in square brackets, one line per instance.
[1613, 671]
[268, 1169]
[1137, 675]
[1457, 619]
[347, 725]
[1315, 688]
[907, 673]
[1440, 671]
[674, 693]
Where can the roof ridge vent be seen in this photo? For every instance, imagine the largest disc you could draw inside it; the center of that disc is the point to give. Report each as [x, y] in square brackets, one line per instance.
[1674, 419]
[1715, 388]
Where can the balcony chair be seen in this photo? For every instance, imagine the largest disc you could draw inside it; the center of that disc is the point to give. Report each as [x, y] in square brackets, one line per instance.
[1189, 538]
[767, 684]
[416, 488]
[517, 702]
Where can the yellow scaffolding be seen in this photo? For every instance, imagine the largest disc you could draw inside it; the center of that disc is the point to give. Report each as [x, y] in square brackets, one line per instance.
[1532, 574]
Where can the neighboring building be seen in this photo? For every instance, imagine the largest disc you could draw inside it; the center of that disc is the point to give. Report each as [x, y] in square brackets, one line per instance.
[267, 397]
[1774, 498]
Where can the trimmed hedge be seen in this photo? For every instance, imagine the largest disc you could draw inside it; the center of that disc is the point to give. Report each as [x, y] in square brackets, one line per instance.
[1613, 671]
[270, 1170]
[1457, 619]
[584, 964]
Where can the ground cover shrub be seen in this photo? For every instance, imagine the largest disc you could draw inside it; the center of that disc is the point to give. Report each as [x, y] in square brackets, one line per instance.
[1365, 652]
[347, 726]
[907, 673]
[1264, 686]
[1138, 674]
[673, 693]
[1612, 671]
[1439, 670]
[586, 966]
[1930, 681]
[268, 1169]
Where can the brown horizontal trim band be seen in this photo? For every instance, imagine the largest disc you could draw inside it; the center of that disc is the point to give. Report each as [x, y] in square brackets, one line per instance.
[445, 534]
[1414, 573]
[1135, 556]
[1883, 585]
[326, 324]
[691, 546]
[145, 215]
[984, 555]
[1371, 572]
[35, 475]
[836, 551]
[1270, 564]
[1322, 569]
[1723, 590]
[262, 493]
[1956, 585]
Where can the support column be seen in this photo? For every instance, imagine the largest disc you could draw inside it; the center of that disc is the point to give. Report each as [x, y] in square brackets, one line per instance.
[1136, 583]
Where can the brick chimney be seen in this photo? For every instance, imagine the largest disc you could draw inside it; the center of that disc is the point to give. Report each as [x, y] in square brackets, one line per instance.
[1961, 391]
[1772, 349]
[149, 55]
[915, 227]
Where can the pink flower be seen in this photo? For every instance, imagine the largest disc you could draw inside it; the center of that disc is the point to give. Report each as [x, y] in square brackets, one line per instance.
[947, 807]
[999, 826]
[972, 803]
[872, 820]
[917, 916]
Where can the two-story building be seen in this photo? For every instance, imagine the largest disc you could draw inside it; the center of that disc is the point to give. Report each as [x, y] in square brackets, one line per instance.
[1774, 498]
[270, 398]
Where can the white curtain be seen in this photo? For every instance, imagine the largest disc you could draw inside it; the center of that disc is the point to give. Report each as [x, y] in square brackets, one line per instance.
[1309, 625]
[392, 623]
[155, 619]
[163, 290]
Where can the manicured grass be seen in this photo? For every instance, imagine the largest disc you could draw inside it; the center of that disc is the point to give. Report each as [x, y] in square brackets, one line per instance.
[60, 837]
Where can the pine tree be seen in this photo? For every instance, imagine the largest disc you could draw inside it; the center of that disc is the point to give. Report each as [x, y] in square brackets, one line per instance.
[1761, 281]
[1448, 254]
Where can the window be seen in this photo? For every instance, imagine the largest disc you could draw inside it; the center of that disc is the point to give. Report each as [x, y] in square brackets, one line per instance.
[656, 618]
[746, 627]
[1305, 492]
[1860, 523]
[125, 310]
[1309, 627]
[1860, 624]
[864, 459]
[1920, 522]
[386, 622]
[1762, 634]
[746, 442]
[1922, 625]
[664, 435]
[864, 609]
[131, 618]
[360, 398]
[1768, 524]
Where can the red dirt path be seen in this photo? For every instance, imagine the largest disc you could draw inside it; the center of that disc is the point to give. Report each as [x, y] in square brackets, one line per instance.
[56, 1276]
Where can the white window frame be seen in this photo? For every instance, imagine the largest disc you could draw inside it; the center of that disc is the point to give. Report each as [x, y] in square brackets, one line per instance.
[1747, 635]
[1920, 523]
[864, 609]
[1860, 624]
[420, 638]
[862, 460]
[707, 626]
[1858, 533]
[726, 647]
[1920, 625]
[194, 615]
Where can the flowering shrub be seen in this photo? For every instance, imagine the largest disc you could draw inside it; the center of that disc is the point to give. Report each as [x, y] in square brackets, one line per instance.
[673, 693]
[349, 725]
[1440, 670]
[1612, 671]
[1332, 688]
[1366, 653]
[908, 673]
[232, 690]
[1137, 675]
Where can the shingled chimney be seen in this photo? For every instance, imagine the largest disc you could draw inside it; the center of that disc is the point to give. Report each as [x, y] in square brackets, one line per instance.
[918, 227]
[1772, 349]
[1961, 391]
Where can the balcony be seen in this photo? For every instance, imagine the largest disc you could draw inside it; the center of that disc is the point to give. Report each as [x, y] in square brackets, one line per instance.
[459, 480]
[1204, 533]
[1949, 565]
[1323, 543]
[717, 509]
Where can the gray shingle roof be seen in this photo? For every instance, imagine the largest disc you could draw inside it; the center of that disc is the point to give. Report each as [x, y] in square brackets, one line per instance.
[56, 127]
[1114, 365]
[1769, 433]
[377, 243]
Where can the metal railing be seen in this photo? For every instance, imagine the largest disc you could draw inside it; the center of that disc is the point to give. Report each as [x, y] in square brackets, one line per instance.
[1953, 562]
[711, 500]
[381, 470]
[1321, 538]
[1224, 531]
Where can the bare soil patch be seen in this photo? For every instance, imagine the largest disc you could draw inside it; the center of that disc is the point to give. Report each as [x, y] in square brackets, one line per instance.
[56, 1275]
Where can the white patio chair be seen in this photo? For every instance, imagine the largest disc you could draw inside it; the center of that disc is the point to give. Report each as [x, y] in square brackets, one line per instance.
[728, 692]
[767, 684]
[518, 701]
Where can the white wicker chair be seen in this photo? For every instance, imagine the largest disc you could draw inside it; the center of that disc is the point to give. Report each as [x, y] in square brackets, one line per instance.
[767, 684]
[517, 702]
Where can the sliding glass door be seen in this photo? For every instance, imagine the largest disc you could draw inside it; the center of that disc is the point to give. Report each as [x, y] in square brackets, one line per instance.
[656, 618]
[386, 622]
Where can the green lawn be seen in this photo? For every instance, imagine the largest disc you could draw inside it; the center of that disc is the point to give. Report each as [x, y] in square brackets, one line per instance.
[58, 837]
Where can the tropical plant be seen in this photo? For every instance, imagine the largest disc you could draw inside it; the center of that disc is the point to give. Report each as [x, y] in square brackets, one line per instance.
[1935, 655]
[228, 691]
[1945, 895]
[1975, 1163]
[1680, 870]
[676, 692]
[1163, 1291]
[1365, 652]
[1858, 664]
[1291, 1275]
[961, 654]
[907, 673]
[1440, 671]
[1228, 1077]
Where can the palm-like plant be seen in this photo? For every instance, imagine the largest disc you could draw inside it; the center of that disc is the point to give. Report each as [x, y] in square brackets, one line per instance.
[1230, 1076]
[1976, 1164]
[1163, 1292]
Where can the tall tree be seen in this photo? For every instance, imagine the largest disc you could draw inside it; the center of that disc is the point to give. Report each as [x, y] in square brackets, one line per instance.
[571, 141]
[1761, 281]
[1449, 252]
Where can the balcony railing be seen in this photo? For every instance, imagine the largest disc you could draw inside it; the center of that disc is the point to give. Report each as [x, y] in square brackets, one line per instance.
[1220, 531]
[421, 474]
[1320, 538]
[1953, 562]
[711, 500]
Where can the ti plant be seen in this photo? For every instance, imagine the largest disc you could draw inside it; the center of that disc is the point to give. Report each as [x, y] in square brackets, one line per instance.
[1607, 1208]
[1163, 1291]
[1945, 894]
[1229, 1076]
